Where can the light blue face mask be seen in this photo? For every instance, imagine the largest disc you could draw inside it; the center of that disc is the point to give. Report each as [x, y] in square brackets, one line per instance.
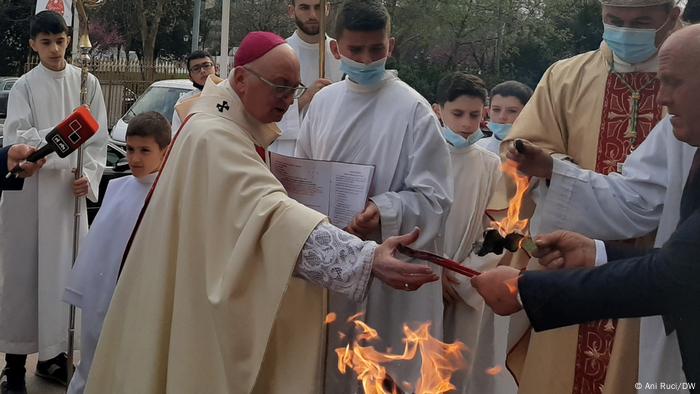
[457, 141]
[363, 74]
[500, 130]
[631, 45]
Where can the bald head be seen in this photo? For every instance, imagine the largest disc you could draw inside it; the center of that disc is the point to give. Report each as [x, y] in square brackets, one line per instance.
[679, 60]
[252, 82]
[687, 40]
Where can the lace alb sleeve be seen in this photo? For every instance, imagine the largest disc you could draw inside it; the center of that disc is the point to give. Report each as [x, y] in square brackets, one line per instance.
[337, 261]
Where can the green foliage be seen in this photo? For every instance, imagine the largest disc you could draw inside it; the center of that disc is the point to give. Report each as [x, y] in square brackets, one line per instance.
[14, 30]
[495, 39]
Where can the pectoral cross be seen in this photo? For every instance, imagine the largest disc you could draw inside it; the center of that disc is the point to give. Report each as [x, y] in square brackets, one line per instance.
[223, 106]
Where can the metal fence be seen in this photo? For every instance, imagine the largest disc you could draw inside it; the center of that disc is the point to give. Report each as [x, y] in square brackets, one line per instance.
[123, 81]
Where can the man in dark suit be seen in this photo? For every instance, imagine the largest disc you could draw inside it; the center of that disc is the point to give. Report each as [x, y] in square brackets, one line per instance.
[12, 155]
[664, 281]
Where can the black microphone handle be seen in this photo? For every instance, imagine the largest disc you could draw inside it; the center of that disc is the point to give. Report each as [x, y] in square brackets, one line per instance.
[41, 153]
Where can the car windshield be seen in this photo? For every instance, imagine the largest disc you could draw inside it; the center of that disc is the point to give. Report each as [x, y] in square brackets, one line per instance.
[156, 98]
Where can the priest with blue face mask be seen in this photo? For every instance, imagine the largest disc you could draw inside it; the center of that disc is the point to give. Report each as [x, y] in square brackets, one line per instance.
[594, 109]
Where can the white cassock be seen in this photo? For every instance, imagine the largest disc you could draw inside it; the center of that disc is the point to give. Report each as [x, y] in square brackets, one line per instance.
[392, 127]
[36, 224]
[476, 174]
[620, 206]
[309, 61]
[491, 144]
[92, 281]
[176, 122]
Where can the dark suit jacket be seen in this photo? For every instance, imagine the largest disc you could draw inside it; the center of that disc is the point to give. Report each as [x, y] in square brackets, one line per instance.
[664, 281]
[7, 184]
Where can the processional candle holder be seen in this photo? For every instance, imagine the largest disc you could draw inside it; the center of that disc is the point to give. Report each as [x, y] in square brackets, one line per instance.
[84, 43]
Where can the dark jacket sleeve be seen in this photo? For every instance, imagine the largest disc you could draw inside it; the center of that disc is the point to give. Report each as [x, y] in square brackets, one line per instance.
[617, 250]
[664, 281]
[12, 183]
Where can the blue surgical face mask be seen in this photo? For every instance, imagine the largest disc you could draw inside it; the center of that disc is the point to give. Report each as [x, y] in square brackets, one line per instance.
[633, 46]
[500, 130]
[363, 74]
[457, 141]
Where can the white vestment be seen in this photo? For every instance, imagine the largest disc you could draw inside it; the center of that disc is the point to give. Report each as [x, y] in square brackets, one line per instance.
[620, 206]
[309, 61]
[392, 127]
[476, 174]
[36, 224]
[491, 144]
[92, 281]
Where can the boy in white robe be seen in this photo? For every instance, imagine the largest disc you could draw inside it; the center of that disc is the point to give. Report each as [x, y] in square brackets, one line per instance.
[94, 276]
[374, 118]
[476, 174]
[507, 100]
[36, 224]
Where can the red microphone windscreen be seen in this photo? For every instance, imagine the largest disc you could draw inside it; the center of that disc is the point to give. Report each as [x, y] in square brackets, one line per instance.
[77, 128]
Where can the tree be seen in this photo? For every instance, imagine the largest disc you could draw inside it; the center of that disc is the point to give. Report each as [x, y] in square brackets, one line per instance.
[14, 28]
[495, 39]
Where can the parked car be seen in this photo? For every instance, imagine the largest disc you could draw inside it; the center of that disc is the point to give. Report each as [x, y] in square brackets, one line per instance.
[116, 167]
[161, 97]
[6, 84]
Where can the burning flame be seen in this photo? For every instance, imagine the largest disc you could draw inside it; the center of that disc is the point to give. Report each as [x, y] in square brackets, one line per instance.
[494, 370]
[330, 318]
[355, 317]
[439, 360]
[512, 223]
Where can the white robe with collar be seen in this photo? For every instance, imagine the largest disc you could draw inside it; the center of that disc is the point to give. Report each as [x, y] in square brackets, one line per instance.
[393, 128]
[93, 278]
[36, 224]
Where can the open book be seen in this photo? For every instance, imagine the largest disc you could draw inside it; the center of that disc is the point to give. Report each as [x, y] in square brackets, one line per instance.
[338, 190]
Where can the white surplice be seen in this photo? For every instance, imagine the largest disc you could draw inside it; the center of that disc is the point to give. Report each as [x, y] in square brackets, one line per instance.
[36, 224]
[309, 61]
[92, 281]
[620, 206]
[476, 174]
[388, 125]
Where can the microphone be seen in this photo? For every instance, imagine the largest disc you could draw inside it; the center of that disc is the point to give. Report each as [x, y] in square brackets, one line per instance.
[66, 137]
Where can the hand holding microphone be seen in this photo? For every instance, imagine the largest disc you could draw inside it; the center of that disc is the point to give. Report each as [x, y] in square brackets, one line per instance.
[65, 138]
[17, 155]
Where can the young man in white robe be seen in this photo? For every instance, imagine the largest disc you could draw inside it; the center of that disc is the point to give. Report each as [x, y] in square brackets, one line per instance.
[200, 66]
[94, 276]
[36, 224]
[372, 117]
[476, 173]
[305, 42]
[224, 272]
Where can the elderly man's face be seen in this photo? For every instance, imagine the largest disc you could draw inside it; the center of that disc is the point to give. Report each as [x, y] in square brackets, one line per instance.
[680, 91]
[253, 82]
[655, 18]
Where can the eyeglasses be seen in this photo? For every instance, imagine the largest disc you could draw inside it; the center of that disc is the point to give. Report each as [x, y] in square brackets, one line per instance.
[202, 66]
[281, 91]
